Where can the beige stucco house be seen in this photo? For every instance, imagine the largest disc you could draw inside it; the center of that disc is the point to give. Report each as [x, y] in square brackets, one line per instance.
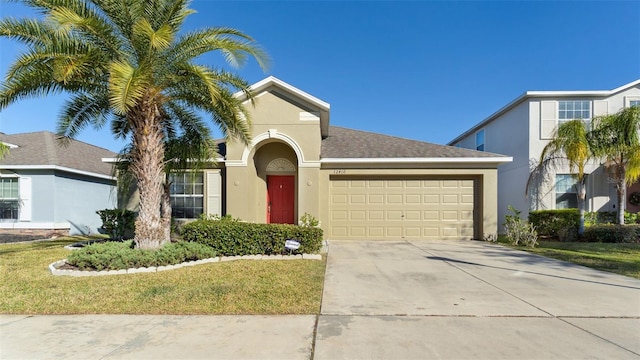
[360, 185]
[524, 126]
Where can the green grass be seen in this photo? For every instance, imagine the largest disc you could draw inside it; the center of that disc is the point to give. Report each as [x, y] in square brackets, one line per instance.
[621, 259]
[236, 287]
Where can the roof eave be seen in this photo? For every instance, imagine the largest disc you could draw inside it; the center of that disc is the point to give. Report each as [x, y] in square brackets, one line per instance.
[272, 80]
[59, 168]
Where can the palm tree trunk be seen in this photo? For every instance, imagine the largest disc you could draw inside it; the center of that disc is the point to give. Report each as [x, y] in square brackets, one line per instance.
[166, 212]
[147, 167]
[621, 191]
[581, 205]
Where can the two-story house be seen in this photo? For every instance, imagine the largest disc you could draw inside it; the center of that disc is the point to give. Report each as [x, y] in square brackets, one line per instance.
[523, 127]
[360, 185]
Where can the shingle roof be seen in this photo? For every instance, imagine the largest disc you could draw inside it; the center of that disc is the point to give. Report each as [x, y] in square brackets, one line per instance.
[349, 143]
[43, 149]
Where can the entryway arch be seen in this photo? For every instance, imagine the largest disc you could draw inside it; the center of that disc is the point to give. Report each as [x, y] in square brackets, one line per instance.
[277, 170]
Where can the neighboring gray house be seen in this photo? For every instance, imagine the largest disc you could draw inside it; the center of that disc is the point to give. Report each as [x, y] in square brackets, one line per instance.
[47, 188]
[524, 126]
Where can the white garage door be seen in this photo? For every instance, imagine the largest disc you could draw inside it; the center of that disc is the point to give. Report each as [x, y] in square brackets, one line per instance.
[383, 209]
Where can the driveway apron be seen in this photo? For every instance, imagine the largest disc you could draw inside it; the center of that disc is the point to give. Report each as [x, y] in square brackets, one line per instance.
[471, 300]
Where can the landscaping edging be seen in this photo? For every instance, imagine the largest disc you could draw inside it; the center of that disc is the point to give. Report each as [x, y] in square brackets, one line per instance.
[53, 267]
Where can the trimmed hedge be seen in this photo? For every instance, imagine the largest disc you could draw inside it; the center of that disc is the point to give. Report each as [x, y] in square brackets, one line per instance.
[611, 233]
[116, 255]
[232, 238]
[551, 223]
[600, 217]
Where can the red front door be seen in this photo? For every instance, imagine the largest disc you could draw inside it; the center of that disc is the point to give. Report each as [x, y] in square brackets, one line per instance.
[280, 199]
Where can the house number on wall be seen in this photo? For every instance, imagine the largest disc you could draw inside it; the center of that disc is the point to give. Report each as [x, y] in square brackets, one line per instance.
[339, 171]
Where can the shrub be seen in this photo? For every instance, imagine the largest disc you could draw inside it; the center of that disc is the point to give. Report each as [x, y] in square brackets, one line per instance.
[631, 218]
[118, 223]
[237, 238]
[612, 233]
[114, 255]
[599, 217]
[309, 220]
[549, 223]
[519, 231]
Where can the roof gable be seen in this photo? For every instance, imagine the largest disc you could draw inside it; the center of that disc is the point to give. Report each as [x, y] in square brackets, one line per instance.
[282, 88]
[42, 150]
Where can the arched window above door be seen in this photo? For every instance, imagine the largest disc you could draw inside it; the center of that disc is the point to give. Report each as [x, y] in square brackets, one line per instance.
[281, 165]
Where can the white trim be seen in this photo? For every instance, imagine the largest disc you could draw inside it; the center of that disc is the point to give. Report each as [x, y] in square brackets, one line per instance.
[270, 134]
[10, 146]
[35, 225]
[56, 167]
[310, 164]
[272, 80]
[504, 159]
[117, 160]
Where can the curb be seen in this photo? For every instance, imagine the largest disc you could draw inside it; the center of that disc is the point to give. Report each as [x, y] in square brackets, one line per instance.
[53, 267]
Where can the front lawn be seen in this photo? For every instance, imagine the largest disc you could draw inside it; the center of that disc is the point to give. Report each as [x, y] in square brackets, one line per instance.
[618, 258]
[236, 287]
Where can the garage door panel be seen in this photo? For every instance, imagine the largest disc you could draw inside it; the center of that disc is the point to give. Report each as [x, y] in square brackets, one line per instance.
[413, 215]
[375, 199]
[450, 215]
[339, 199]
[339, 215]
[395, 209]
[376, 215]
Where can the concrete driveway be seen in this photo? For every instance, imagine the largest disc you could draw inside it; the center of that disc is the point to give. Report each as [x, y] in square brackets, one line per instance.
[471, 300]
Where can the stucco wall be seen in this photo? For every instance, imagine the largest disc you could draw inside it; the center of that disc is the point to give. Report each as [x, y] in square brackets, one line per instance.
[65, 201]
[77, 198]
[283, 127]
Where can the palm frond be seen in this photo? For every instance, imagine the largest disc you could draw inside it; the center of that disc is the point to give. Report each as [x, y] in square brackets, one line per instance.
[82, 110]
[127, 86]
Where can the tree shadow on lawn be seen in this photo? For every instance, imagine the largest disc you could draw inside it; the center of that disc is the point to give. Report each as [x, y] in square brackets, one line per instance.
[453, 261]
[7, 248]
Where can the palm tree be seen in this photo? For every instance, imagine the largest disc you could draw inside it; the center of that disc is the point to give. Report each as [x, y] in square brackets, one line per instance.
[192, 150]
[615, 137]
[570, 143]
[126, 62]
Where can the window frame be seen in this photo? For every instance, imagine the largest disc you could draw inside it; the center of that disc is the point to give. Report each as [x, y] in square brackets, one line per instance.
[572, 189]
[480, 146]
[563, 114]
[189, 179]
[631, 103]
[10, 204]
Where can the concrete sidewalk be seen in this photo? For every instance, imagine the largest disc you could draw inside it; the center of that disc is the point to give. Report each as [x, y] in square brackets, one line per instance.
[155, 337]
[382, 300]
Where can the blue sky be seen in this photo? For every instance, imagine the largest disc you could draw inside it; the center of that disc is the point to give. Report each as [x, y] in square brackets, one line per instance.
[424, 70]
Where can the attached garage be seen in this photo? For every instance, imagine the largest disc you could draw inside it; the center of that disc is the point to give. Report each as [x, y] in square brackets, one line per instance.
[437, 208]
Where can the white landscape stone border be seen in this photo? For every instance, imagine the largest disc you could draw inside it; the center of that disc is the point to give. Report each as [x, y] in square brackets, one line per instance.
[53, 267]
